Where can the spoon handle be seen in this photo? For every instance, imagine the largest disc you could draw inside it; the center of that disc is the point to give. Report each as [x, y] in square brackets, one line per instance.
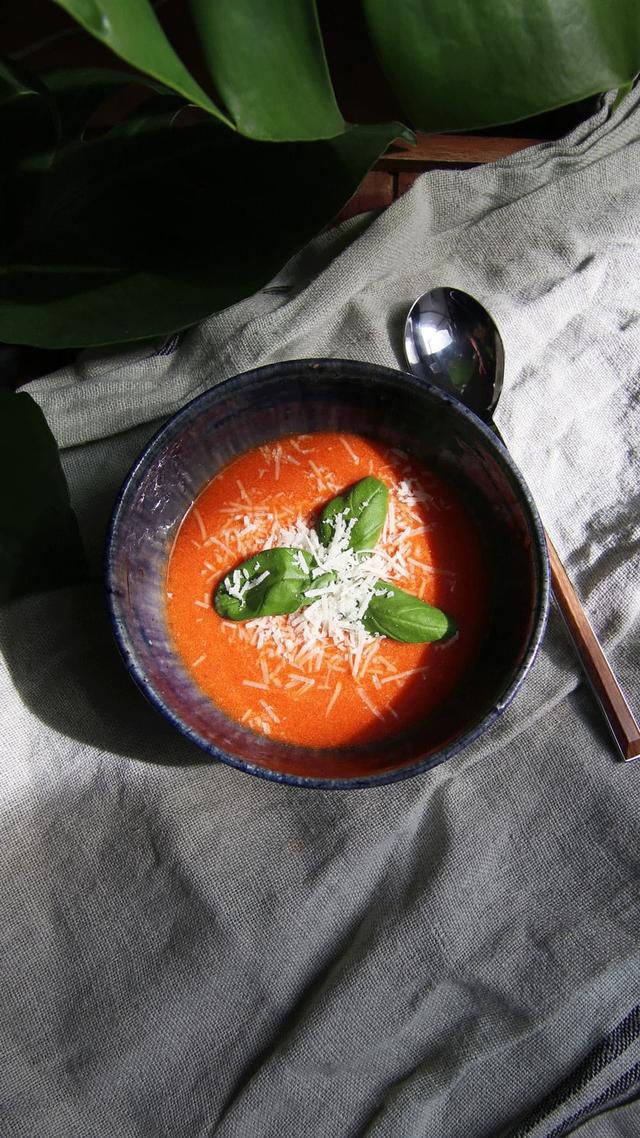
[617, 712]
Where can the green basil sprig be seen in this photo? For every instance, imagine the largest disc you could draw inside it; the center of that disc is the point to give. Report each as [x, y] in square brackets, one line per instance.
[278, 581]
[271, 583]
[365, 504]
[399, 615]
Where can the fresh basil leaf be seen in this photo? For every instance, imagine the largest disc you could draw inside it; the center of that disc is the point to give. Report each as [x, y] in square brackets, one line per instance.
[319, 583]
[269, 584]
[365, 504]
[397, 614]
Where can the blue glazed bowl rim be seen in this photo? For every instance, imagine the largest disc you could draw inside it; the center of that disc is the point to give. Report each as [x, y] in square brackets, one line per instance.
[329, 365]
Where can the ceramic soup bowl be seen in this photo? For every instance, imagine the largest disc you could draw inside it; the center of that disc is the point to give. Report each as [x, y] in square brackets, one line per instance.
[307, 396]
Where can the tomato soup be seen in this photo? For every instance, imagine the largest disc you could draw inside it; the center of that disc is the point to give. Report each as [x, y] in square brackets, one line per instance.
[263, 672]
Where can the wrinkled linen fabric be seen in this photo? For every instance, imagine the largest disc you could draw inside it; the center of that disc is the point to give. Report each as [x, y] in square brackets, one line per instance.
[190, 951]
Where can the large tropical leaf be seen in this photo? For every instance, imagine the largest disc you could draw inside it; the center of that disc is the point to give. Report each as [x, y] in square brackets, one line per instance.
[148, 229]
[267, 61]
[132, 30]
[39, 539]
[77, 93]
[464, 64]
[26, 114]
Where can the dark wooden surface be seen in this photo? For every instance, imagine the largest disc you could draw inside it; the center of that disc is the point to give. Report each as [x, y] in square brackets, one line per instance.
[398, 169]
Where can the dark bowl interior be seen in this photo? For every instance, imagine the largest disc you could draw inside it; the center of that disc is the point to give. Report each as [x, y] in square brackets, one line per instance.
[327, 395]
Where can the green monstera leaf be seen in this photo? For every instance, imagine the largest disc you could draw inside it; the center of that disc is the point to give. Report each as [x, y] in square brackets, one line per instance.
[135, 233]
[465, 64]
[267, 61]
[133, 32]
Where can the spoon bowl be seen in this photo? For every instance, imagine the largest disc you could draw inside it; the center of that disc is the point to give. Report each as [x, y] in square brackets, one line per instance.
[452, 341]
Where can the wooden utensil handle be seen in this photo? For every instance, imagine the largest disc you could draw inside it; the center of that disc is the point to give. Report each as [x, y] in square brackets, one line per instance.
[623, 726]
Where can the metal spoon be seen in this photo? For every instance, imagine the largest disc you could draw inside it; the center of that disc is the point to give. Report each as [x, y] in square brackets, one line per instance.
[451, 341]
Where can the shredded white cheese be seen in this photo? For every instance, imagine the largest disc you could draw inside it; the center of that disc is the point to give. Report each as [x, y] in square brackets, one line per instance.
[269, 710]
[336, 692]
[404, 675]
[297, 651]
[338, 605]
[201, 526]
[368, 703]
[350, 451]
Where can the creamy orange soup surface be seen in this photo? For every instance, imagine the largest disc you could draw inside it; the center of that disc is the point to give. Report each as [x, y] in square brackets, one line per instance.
[264, 673]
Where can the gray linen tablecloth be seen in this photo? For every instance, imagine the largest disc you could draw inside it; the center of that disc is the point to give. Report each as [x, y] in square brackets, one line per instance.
[190, 951]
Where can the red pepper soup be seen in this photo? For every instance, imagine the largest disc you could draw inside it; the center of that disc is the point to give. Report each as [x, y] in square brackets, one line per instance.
[289, 676]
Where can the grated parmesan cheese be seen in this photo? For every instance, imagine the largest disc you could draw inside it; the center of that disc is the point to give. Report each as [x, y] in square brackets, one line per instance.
[313, 647]
[337, 608]
[269, 710]
[336, 692]
[368, 703]
[201, 526]
[350, 451]
[404, 675]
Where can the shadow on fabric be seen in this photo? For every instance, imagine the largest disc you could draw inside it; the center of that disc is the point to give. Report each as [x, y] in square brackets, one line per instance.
[65, 665]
